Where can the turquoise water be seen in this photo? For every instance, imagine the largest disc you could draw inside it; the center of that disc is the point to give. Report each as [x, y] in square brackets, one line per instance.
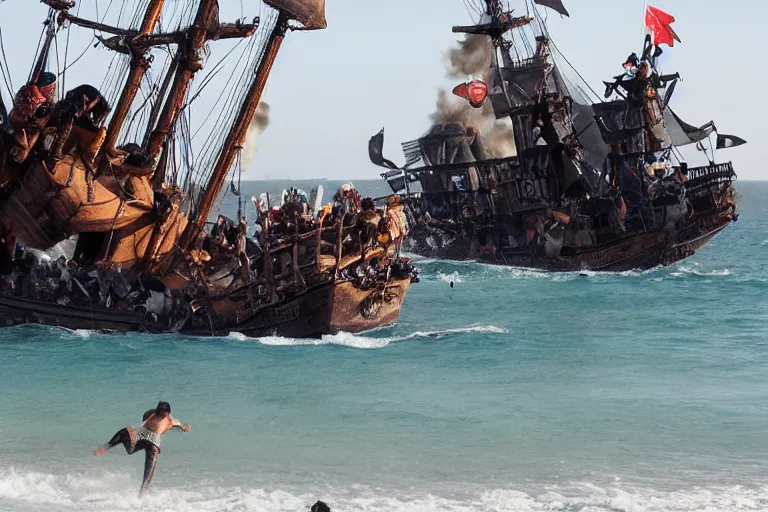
[514, 391]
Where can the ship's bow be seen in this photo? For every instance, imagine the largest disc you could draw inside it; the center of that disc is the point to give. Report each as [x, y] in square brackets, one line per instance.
[355, 310]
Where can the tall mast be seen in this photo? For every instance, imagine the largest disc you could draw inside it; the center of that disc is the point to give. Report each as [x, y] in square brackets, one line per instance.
[239, 129]
[137, 43]
[139, 67]
[186, 70]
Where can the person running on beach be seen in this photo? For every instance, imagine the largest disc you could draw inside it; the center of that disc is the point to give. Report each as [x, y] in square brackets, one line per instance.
[156, 422]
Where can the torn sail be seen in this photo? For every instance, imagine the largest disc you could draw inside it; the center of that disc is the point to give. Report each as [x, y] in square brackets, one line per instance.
[683, 133]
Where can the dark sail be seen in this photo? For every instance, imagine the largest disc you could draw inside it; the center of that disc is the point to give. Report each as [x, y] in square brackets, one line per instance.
[683, 133]
[588, 131]
[522, 84]
[668, 94]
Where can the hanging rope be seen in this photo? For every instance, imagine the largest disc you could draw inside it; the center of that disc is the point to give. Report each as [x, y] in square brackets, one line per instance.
[7, 77]
[576, 71]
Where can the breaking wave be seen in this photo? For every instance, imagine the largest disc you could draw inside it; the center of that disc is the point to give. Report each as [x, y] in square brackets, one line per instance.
[681, 271]
[470, 271]
[345, 339]
[33, 492]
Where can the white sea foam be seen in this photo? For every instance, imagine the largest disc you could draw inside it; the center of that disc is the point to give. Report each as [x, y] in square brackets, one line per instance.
[702, 273]
[474, 271]
[345, 339]
[77, 333]
[33, 492]
[453, 277]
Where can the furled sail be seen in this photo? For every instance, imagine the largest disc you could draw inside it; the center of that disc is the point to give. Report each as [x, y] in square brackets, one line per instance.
[683, 133]
[310, 13]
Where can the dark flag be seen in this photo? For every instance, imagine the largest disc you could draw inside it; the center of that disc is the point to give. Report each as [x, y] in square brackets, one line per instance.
[669, 93]
[556, 5]
[376, 151]
[729, 141]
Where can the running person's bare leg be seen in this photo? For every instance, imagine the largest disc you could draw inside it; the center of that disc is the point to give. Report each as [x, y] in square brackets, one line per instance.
[150, 463]
[125, 437]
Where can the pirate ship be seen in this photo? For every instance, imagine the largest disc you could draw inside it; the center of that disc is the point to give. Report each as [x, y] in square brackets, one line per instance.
[126, 186]
[595, 183]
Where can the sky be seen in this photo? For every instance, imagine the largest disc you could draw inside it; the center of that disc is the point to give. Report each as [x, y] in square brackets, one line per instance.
[381, 63]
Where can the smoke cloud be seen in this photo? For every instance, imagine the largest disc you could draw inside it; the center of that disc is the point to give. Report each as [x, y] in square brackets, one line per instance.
[474, 57]
[253, 135]
[500, 139]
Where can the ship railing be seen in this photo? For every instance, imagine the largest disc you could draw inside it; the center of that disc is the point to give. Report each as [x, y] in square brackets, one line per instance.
[715, 170]
[523, 63]
[309, 253]
[308, 261]
[707, 176]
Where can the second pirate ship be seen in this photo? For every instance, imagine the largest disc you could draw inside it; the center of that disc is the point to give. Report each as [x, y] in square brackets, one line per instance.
[588, 184]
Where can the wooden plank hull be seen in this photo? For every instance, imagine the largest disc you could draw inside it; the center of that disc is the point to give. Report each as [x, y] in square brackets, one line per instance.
[325, 309]
[639, 251]
[347, 313]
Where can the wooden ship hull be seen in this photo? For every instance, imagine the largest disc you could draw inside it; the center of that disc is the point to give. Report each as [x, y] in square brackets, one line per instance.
[635, 252]
[327, 309]
[630, 251]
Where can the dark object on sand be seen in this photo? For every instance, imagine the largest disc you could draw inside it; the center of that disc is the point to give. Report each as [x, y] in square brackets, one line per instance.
[320, 507]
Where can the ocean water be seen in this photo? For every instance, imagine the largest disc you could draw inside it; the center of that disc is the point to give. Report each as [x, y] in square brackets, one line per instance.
[513, 391]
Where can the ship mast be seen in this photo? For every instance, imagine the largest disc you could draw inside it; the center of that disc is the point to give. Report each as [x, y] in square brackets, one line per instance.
[136, 43]
[237, 132]
[139, 67]
[184, 73]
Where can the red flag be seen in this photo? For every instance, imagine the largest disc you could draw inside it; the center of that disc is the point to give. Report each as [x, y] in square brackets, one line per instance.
[658, 23]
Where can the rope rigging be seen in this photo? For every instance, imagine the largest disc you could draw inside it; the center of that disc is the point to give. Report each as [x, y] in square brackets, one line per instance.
[187, 163]
[6, 71]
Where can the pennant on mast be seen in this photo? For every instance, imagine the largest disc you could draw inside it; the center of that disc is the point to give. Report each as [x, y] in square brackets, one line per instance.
[729, 141]
[658, 24]
[555, 5]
